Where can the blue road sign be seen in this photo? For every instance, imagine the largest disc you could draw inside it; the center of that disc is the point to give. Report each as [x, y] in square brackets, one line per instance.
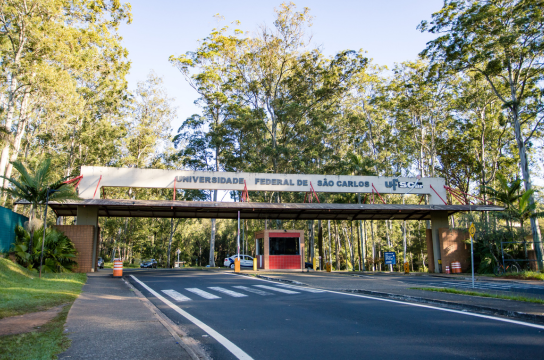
[390, 258]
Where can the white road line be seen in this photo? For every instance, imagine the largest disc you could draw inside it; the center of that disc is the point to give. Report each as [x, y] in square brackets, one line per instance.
[204, 294]
[285, 291]
[227, 291]
[235, 350]
[293, 287]
[413, 304]
[175, 295]
[255, 291]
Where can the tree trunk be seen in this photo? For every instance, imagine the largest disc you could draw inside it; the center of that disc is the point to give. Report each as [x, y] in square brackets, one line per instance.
[337, 245]
[211, 260]
[528, 186]
[320, 243]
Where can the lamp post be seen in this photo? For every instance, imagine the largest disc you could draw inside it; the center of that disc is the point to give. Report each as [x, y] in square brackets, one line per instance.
[49, 191]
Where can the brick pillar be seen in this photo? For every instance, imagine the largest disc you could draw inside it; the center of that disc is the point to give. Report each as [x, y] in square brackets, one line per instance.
[82, 237]
[430, 253]
[88, 215]
[439, 219]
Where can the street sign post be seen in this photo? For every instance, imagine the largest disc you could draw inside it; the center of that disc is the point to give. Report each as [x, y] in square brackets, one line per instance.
[390, 258]
[472, 231]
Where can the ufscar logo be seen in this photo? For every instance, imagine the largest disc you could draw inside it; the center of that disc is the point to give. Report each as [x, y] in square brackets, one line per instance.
[403, 184]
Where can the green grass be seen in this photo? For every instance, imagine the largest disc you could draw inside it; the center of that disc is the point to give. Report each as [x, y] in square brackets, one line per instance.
[525, 275]
[43, 343]
[21, 291]
[482, 294]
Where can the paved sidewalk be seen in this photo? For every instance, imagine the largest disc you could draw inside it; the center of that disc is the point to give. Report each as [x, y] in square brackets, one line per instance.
[400, 287]
[109, 321]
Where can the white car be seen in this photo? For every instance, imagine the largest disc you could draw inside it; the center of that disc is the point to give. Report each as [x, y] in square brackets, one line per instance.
[245, 261]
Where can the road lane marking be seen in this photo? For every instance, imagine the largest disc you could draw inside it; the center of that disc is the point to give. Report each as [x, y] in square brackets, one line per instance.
[204, 294]
[293, 287]
[255, 291]
[226, 291]
[516, 322]
[285, 291]
[235, 350]
[175, 295]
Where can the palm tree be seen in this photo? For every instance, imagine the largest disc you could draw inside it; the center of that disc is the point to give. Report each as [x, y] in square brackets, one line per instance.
[34, 186]
[507, 193]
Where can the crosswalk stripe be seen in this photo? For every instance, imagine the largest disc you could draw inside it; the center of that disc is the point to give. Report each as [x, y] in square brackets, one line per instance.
[202, 293]
[285, 291]
[301, 288]
[175, 295]
[226, 291]
[251, 290]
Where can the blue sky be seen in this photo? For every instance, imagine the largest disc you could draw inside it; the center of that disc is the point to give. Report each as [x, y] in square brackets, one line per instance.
[385, 29]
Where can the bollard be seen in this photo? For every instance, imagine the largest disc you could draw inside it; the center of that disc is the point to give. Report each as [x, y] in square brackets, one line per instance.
[254, 264]
[328, 267]
[237, 265]
[117, 268]
[406, 268]
[314, 264]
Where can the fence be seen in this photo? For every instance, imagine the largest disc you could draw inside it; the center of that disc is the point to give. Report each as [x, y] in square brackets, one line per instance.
[8, 221]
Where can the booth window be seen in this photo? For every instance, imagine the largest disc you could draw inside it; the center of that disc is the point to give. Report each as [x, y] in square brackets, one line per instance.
[261, 246]
[284, 246]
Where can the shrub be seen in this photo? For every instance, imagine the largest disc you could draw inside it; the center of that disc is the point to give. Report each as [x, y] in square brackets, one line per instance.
[59, 251]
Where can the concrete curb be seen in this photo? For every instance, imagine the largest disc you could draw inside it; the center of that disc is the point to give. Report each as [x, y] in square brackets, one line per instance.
[442, 303]
[453, 305]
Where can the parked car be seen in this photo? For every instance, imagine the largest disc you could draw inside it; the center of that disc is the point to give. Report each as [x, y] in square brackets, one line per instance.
[149, 264]
[100, 263]
[245, 261]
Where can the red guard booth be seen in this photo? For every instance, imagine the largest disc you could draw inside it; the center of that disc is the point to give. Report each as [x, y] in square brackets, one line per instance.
[280, 249]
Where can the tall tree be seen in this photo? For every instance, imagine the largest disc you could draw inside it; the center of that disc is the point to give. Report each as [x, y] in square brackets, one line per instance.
[503, 40]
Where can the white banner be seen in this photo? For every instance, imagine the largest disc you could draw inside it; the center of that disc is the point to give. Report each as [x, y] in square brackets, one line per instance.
[217, 180]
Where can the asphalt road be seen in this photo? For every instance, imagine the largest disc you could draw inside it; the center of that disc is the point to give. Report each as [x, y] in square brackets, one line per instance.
[241, 317]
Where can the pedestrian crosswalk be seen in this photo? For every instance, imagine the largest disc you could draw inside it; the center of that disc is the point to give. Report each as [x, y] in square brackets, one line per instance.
[238, 292]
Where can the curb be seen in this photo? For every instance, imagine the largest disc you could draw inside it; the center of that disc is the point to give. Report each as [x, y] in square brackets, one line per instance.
[442, 303]
[454, 305]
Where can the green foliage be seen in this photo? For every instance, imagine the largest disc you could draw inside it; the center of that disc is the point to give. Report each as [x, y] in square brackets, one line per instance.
[59, 251]
[34, 186]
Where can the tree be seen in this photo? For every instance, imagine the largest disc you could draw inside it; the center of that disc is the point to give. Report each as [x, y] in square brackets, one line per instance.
[50, 50]
[503, 41]
[33, 187]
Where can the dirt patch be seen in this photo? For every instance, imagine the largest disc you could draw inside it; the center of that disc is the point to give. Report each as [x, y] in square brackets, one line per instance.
[25, 323]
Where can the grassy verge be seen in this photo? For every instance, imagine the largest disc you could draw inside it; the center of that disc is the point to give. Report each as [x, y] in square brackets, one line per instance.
[21, 291]
[481, 294]
[526, 275]
[43, 343]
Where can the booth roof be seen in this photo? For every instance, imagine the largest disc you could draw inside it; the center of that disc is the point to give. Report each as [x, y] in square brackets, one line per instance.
[257, 210]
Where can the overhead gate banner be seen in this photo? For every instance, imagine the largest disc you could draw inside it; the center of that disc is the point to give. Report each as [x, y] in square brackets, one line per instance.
[95, 177]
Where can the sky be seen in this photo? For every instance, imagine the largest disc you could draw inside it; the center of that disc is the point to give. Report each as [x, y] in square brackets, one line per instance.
[160, 28]
[386, 29]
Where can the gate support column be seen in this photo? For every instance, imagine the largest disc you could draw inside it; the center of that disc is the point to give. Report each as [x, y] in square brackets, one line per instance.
[88, 215]
[439, 219]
